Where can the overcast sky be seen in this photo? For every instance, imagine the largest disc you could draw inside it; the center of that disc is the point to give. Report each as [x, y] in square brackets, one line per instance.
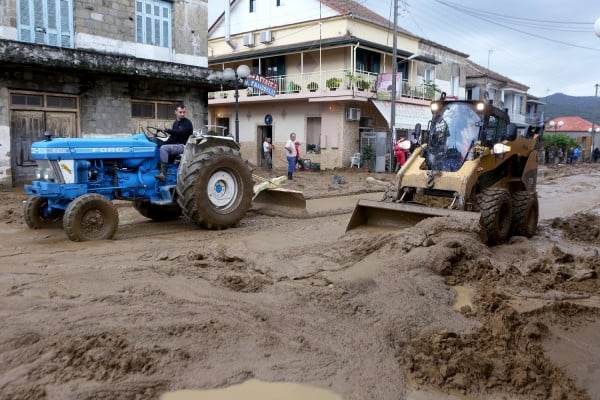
[549, 46]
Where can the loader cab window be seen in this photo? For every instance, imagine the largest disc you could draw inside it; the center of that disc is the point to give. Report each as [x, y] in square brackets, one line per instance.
[495, 130]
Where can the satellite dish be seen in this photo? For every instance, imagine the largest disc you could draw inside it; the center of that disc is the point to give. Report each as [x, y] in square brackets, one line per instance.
[597, 27]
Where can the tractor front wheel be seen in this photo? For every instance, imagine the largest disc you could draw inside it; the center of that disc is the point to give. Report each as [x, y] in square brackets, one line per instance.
[526, 213]
[496, 214]
[215, 188]
[36, 214]
[91, 217]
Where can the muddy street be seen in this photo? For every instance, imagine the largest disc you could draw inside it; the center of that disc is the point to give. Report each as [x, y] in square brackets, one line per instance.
[423, 313]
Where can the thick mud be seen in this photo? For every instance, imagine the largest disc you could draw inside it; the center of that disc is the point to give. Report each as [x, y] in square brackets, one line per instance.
[422, 313]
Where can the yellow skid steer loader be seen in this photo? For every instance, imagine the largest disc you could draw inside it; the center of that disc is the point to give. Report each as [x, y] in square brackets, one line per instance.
[472, 162]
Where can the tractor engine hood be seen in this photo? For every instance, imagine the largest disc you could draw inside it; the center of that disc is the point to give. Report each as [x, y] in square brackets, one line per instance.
[134, 146]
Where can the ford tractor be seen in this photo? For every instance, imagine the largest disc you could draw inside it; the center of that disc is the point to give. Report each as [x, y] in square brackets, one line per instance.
[209, 185]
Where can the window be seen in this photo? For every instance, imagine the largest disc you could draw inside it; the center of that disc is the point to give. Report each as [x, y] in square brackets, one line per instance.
[43, 100]
[152, 110]
[46, 22]
[429, 75]
[27, 100]
[153, 22]
[367, 61]
[454, 86]
[252, 6]
[61, 102]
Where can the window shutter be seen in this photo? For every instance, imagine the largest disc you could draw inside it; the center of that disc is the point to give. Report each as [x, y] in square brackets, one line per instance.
[25, 24]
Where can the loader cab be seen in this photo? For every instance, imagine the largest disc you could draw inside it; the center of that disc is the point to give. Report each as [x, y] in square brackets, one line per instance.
[454, 130]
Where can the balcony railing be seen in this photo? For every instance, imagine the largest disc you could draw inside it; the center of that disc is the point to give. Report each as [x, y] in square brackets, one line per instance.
[319, 83]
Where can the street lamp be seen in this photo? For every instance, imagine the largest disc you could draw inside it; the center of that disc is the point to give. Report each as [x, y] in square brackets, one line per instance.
[236, 76]
[555, 125]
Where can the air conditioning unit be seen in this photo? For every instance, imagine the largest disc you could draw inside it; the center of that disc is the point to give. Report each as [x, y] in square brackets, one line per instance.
[266, 36]
[249, 39]
[352, 114]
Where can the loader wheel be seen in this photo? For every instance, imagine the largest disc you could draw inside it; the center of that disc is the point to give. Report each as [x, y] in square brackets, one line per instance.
[36, 216]
[215, 189]
[525, 213]
[496, 214]
[91, 217]
[157, 212]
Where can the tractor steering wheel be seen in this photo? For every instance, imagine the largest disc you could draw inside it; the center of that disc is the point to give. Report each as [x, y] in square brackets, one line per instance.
[153, 133]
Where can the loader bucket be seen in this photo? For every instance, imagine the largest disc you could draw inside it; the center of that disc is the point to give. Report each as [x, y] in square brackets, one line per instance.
[281, 197]
[273, 200]
[395, 215]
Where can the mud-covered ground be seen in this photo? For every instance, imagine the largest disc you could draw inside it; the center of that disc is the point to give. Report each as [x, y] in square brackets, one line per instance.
[422, 313]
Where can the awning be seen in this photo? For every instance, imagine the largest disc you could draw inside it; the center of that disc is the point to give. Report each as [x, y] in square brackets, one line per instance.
[407, 115]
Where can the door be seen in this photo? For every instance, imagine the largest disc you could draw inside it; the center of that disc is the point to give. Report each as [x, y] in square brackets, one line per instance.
[27, 127]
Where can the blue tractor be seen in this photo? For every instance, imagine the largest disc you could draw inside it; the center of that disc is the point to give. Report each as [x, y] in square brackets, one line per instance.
[210, 185]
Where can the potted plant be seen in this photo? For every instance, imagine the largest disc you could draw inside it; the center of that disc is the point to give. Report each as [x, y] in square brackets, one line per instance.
[363, 84]
[333, 83]
[367, 154]
[313, 86]
[294, 87]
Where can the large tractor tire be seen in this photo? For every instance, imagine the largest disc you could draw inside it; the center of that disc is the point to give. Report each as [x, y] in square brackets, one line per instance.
[525, 213]
[91, 217]
[157, 212]
[34, 212]
[215, 189]
[496, 214]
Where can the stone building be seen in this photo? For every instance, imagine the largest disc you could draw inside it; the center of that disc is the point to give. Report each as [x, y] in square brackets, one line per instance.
[77, 68]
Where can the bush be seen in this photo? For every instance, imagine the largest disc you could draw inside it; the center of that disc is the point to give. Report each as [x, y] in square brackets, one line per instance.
[312, 86]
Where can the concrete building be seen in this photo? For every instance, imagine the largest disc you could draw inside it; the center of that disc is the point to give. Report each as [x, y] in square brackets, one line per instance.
[485, 84]
[85, 67]
[332, 62]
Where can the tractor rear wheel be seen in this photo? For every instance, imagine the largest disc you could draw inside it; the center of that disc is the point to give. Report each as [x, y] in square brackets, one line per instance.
[496, 214]
[91, 217]
[525, 213]
[215, 189]
[157, 212]
[36, 215]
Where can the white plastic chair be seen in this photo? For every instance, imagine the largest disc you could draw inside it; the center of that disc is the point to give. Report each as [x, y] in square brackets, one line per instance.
[355, 160]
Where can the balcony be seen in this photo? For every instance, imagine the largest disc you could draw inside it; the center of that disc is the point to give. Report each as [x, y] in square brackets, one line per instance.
[338, 83]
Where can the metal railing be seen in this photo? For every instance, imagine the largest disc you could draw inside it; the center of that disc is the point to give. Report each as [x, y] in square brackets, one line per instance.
[328, 81]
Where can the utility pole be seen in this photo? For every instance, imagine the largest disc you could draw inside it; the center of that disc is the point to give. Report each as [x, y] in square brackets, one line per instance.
[593, 133]
[394, 72]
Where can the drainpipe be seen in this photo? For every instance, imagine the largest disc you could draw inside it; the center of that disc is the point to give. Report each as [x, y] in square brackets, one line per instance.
[354, 63]
[228, 25]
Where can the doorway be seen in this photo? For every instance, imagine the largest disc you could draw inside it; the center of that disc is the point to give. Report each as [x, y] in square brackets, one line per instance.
[262, 132]
[27, 127]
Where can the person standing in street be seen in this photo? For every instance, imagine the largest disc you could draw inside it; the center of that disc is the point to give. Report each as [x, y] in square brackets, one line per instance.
[178, 136]
[299, 161]
[290, 152]
[267, 155]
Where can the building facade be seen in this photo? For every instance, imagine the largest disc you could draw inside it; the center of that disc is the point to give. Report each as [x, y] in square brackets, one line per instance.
[77, 68]
[332, 62]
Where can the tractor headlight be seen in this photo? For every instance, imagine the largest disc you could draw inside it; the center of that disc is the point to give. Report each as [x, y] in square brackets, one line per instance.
[45, 171]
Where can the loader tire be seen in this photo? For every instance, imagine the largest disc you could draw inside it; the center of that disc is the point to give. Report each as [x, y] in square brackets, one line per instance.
[91, 217]
[215, 189]
[496, 214]
[525, 213]
[157, 212]
[34, 212]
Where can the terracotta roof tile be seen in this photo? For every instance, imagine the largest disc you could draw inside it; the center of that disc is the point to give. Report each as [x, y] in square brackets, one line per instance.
[570, 124]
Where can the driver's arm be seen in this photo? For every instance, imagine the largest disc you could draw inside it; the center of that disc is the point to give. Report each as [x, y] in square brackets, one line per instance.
[183, 129]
